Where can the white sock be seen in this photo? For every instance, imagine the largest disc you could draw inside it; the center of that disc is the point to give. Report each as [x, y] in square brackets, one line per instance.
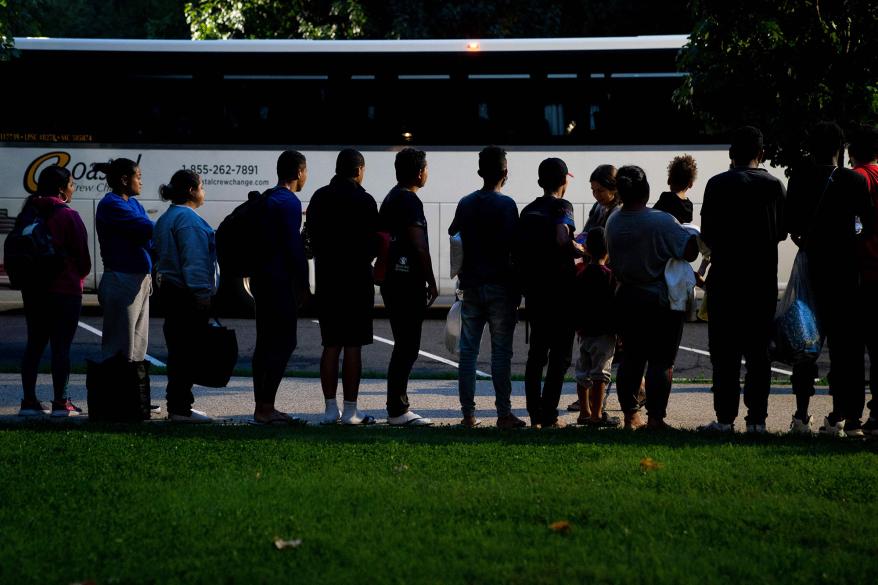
[331, 413]
[351, 415]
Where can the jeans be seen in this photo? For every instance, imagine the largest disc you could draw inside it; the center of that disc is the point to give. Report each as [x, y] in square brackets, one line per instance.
[551, 342]
[495, 305]
[276, 314]
[51, 318]
[650, 336]
[183, 325]
[405, 309]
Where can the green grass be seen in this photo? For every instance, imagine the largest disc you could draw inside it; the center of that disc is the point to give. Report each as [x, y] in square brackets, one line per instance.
[164, 504]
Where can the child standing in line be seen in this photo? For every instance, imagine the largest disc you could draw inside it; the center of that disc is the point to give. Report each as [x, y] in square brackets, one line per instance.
[595, 332]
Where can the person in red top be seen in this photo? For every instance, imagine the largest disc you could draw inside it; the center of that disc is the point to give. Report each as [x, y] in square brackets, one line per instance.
[52, 309]
[863, 152]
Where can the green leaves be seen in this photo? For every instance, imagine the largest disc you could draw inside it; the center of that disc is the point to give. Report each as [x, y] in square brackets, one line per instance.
[782, 66]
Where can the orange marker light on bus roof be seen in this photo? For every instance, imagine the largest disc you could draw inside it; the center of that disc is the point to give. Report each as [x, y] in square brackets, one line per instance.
[473, 46]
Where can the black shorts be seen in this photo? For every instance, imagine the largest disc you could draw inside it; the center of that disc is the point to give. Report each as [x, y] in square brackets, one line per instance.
[345, 314]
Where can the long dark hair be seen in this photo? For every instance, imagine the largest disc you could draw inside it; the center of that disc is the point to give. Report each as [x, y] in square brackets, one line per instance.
[114, 170]
[52, 179]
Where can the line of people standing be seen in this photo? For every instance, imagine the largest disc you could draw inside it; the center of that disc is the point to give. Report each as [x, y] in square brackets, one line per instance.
[618, 298]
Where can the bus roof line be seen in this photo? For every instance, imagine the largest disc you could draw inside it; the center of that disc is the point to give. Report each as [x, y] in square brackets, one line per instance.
[353, 46]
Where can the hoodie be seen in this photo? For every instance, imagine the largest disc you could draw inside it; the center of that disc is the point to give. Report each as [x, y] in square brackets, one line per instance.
[69, 234]
[869, 249]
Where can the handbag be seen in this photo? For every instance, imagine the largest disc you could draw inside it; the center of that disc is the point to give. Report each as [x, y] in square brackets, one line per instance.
[215, 355]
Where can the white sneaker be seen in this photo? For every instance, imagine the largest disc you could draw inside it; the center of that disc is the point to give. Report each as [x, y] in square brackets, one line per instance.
[836, 430]
[718, 427]
[196, 417]
[409, 419]
[800, 427]
[754, 429]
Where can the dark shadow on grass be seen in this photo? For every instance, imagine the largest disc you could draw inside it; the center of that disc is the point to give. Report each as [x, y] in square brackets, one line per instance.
[443, 436]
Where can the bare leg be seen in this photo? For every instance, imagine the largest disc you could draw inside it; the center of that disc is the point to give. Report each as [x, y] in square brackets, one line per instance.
[352, 370]
[329, 370]
[583, 393]
[598, 392]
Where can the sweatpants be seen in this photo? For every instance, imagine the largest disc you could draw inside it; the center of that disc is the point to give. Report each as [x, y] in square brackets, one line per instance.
[276, 324]
[406, 306]
[124, 299]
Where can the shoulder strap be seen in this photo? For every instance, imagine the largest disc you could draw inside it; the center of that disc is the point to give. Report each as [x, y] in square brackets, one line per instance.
[814, 215]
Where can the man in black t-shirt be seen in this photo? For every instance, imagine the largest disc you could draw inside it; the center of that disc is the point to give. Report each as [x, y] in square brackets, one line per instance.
[544, 258]
[409, 286]
[742, 224]
[343, 225]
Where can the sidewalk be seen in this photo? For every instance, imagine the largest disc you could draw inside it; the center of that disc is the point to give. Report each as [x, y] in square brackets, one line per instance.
[690, 405]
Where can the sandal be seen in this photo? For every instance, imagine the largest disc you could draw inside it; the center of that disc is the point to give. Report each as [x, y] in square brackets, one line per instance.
[278, 418]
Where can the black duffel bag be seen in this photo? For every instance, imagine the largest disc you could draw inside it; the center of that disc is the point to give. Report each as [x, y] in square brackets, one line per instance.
[214, 356]
[118, 390]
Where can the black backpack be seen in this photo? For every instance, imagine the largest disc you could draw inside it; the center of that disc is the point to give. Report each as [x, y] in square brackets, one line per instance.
[30, 257]
[535, 235]
[240, 237]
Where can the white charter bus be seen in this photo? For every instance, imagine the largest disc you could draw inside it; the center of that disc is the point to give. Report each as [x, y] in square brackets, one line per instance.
[227, 108]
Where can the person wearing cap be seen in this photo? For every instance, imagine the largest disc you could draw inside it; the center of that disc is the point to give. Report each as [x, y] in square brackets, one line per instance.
[545, 252]
[486, 220]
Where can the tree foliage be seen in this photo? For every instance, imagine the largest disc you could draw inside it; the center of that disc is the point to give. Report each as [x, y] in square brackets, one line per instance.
[418, 19]
[130, 19]
[782, 66]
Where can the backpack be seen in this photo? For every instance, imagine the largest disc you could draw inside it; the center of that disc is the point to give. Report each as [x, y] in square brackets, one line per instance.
[535, 235]
[240, 237]
[30, 257]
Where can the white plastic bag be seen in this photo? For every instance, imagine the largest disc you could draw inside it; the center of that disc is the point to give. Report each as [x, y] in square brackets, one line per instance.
[797, 335]
[456, 254]
[453, 324]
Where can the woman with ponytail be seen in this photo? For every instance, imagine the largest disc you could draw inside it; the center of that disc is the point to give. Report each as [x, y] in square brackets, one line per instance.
[125, 237]
[640, 242]
[187, 271]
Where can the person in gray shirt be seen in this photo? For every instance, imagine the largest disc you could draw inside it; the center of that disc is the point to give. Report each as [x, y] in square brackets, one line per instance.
[640, 242]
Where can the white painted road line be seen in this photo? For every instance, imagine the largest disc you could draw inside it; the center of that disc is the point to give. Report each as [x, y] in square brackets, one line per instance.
[702, 352]
[99, 333]
[425, 354]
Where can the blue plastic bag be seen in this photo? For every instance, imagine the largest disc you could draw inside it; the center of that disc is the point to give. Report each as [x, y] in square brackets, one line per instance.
[798, 337]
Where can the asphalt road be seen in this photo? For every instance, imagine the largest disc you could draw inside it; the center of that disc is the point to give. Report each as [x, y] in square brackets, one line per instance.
[692, 363]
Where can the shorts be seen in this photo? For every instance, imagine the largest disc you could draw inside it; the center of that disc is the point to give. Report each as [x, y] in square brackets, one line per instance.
[595, 358]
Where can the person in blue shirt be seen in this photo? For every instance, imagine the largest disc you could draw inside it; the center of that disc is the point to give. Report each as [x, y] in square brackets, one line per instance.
[187, 269]
[278, 284]
[125, 238]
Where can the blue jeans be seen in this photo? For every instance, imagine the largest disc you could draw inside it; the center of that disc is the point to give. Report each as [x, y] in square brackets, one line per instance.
[495, 305]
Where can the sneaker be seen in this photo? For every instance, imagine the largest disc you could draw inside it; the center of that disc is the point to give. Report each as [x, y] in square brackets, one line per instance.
[196, 416]
[574, 407]
[510, 421]
[32, 408]
[755, 429]
[717, 427]
[801, 427]
[870, 427]
[830, 430]
[66, 408]
[854, 428]
[155, 409]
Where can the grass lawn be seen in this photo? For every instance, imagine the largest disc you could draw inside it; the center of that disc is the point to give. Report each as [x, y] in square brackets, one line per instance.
[164, 504]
